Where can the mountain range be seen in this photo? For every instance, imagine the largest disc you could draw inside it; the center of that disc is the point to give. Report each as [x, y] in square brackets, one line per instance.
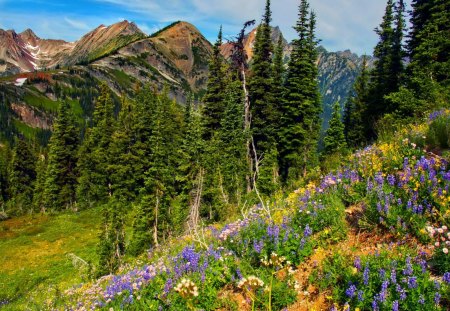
[35, 73]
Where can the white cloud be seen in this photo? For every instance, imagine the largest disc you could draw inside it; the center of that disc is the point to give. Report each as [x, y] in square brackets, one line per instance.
[77, 24]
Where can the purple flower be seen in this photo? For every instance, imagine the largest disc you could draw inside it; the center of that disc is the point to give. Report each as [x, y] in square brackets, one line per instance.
[360, 295]
[351, 291]
[409, 269]
[366, 275]
[412, 282]
[357, 263]
[307, 232]
[391, 180]
[437, 298]
[395, 306]
[421, 300]
[446, 277]
[258, 246]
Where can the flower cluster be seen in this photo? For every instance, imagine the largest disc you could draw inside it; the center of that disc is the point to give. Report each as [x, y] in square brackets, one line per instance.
[275, 261]
[440, 237]
[187, 289]
[250, 283]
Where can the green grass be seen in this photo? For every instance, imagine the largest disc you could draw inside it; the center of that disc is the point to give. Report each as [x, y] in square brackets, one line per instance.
[36, 254]
[41, 102]
[26, 130]
[124, 80]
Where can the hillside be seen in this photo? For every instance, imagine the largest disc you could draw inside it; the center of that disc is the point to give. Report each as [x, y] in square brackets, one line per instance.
[364, 233]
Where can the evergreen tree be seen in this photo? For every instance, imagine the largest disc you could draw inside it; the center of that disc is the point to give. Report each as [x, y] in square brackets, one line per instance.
[39, 187]
[261, 84]
[355, 124]
[61, 178]
[214, 97]
[335, 139]
[153, 217]
[4, 160]
[388, 67]
[111, 245]
[94, 182]
[22, 175]
[301, 107]
[278, 80]
[233, 164]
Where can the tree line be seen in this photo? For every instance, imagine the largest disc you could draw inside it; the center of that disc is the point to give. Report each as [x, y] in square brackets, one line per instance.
[254, 133]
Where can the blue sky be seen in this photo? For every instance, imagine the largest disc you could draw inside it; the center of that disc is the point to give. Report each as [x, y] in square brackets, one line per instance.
[342, 24]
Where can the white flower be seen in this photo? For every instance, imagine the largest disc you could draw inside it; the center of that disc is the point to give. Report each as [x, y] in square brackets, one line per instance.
[445, 250]
[437, 244]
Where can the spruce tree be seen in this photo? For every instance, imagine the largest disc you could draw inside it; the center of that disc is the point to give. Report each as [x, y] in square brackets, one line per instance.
[61, 179]
[355, 122]
[94, 182]
[22, 175]
[334, 140]
[39, 187]
[111, 245]
[261, 84]
[301, 107]
[4, 160]
[153, 218]
[214, 97]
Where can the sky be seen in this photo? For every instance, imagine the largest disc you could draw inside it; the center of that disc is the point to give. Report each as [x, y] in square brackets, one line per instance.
[341, 24]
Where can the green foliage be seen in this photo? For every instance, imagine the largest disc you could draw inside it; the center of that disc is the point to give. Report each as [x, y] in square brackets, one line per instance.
[164, 29]
[39, 186]
[215, 96]
[335, 138]
[22, 175]
[61, 179]
[301, 107]
[438, 134]
[112, 237]
[94, 158]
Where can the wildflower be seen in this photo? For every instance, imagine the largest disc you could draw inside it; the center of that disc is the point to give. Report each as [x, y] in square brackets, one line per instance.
[351, 291]
[366, 275]
[421, 300]
[360, 295]
[412, 282]
[307, 232]
[446, 277]
[250, 283]
[395, 306]
[357, 263]
[437, 298]
[187, 289]
[445, 250]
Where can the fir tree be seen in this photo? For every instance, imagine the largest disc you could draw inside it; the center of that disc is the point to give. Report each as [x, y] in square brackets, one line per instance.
[263, 109]
[22, 175]
[61, 179]
[111, 245]
[355, 110]
[153, 214]
[335, 139]
[94, 183]
[4, 160]
[301, 107]
[39, 187]
[214, 97]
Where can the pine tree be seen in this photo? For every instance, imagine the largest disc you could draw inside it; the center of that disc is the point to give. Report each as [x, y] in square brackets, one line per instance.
[22, 175]
[39, 186]
[278, 80]
[4, 160]
[111, 245]
[153, 217]
[233, 164]
[214, 97]
[355, 123]
[94, 182]
[261, 84]
[61, 178]
[335, 139]
[301, 107]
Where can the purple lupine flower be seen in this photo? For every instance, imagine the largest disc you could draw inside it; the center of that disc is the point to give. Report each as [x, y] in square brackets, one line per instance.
[412, 282]
[401, 292]
[395, 306]
[421, 300]
[437, 298]
[446, 277]
[351, 291]
[307, 232]
[393, 276]
[375, 304]
[360, 295]
[366, 275]
[383, 294]
[258, 246]
[409, 269]
[357, 263]
[391, 180]
[382, 273]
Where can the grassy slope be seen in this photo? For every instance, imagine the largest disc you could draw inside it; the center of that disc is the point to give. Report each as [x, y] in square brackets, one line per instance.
[35, 254]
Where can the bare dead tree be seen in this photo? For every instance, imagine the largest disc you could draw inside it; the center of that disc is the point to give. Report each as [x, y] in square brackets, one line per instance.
[239, 63]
